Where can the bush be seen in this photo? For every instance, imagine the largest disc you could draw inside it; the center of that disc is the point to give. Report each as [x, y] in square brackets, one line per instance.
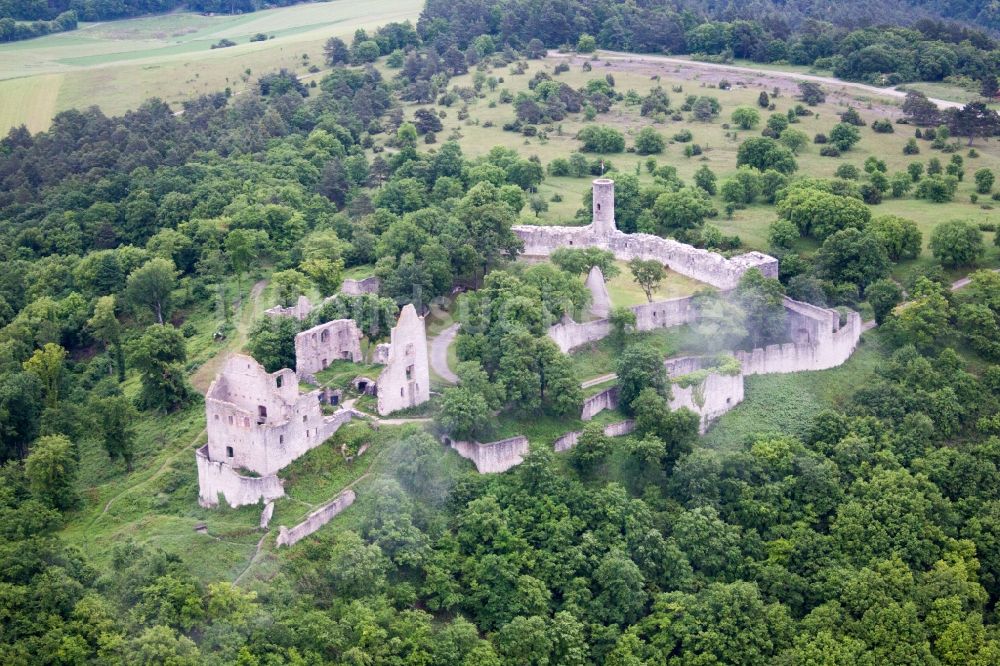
[829, 151]
[649, 142]
[848, 172]
[820, 138]
[683, 136]
[883, 126]
[911, 147]
[601, 139]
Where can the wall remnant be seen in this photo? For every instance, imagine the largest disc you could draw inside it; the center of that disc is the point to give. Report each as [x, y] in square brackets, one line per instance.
[600, 301]
[259, 422]
[316, 519]
[369, 285]
[405, 382]
[702, 265]
[569, 335]
[492, 457]
[299, 311]
[570, 439]
[317, 347]
[606, 399]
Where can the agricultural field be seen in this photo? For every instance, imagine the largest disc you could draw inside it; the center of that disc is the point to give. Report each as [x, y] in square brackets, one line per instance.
[119, 64]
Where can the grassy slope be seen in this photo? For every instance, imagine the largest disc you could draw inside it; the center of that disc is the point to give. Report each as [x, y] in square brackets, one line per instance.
[719, 150]
[118, 64]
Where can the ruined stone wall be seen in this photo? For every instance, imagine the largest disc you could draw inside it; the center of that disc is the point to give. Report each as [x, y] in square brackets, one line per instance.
[702, 265]
[405, 382]
[791, 357]
[317, 347]
[809, 324]
[299, 311]
[570, 439]
[369, 285]
[709, 400]
[257, 421]
[606, 399]
[316, 519]
[600, 301]
[216, 477]
[493, 457]
[569, 335]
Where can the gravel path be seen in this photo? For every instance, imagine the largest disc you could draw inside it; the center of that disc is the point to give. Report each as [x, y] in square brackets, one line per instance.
[828, 80]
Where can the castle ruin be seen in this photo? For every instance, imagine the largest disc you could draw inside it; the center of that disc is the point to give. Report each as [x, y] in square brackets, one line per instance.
[405, 382]
[257, 422]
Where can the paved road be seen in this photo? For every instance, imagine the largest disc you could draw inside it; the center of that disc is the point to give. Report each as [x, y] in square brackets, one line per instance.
[439, 353]
[828, 80]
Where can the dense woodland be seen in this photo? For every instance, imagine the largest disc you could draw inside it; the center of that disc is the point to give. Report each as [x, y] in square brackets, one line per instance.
[869, 536]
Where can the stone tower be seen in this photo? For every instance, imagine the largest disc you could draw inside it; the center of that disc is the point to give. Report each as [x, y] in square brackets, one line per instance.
[604, 206]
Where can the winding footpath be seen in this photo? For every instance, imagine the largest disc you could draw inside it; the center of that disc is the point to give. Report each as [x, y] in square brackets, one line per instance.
[828, 80]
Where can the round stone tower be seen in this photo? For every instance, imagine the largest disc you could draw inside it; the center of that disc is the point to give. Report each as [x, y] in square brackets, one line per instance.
[604, 205]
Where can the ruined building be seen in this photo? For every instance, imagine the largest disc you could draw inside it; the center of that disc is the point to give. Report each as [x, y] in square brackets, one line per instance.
[257, 422]
[317, 347]
[405, 382]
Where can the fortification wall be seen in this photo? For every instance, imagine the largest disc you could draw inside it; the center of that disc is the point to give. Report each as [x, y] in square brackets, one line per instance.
[493, 457]
[369, 285]
[606, 399]
[791, 357]
[710, 400]
[316, 519]
[702, 265]
[317, 347]
[569, 335]
[216, 477]
[570, 439]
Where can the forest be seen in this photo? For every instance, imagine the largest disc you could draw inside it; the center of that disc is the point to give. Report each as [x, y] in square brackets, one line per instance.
[867, 534]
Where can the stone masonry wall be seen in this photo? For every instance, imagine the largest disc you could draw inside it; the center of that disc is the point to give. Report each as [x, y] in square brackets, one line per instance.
[569, 440]
[606, 399]
[317, 347]
[569, 335]
[316, 519]
[493, 457]
[369, 285]
[216, 477]
[405, 381]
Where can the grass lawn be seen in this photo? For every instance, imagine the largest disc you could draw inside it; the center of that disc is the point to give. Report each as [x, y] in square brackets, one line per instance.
[624, 291]
[599, 358]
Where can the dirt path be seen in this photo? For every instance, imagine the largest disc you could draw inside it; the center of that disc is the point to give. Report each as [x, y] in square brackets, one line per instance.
[828, 80]
[155, 475]
[598, 380]
[203, 376]
[439, 353]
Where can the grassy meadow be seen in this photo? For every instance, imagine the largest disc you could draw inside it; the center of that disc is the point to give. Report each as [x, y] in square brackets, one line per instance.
[118, 64]
[483, 130]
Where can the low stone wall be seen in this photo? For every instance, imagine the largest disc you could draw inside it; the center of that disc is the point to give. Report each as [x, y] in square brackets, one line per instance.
[569, 334]
[369, 285]
[299, 311]
[569, 440]
[215, 478]
[315, 520]
[493, 457]
[606, 399]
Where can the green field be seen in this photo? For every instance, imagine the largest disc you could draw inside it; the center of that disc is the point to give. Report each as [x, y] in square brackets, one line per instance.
[118, 64]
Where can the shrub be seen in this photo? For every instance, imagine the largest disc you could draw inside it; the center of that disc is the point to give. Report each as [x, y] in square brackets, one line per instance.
[683, 136]
[601, 139]
[883, 126]
[848, 172]
[829, 151]
[911, 147]
[820, 138]
[649, 142]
